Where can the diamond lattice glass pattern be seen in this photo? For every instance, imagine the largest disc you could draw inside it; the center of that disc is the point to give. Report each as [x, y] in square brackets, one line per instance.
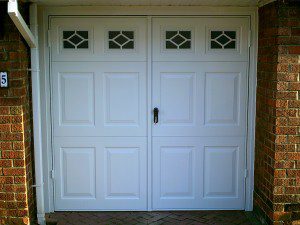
[76, 39]
[178, 39]
[121, 39]
[223, 40]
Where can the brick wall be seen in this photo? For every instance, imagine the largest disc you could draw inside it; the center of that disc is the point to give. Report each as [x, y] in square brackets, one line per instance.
[17, 205]
[277, 163]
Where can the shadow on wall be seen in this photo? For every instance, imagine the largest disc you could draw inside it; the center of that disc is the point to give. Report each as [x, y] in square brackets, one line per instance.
[3, 9]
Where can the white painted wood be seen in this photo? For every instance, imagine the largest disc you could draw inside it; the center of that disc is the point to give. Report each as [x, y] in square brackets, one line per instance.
[223, 171]
[199, 142]
[99, 98]
[200, 29]
[222, 95]
[98, 29]
[194, 101]
[100, 173]
[149, 114]
[15, 15]
[77, 181]
[151, 2]
[251, 113]
[96, 104]
[198, 173]
[75, 12]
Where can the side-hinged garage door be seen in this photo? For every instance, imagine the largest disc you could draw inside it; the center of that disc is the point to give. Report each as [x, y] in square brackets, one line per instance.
[98, 78]
[199, 86]
[200, 68]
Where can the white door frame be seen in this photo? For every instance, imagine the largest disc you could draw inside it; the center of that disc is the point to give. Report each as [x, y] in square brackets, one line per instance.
[44, 15]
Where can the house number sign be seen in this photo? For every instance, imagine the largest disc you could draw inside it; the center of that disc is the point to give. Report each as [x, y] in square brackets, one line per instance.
[4, 79]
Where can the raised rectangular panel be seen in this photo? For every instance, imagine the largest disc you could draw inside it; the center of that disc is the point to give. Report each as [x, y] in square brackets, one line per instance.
[177, 172]
[78, 172]
[122, 98]
[222, 98]
[122, 173]
[177, 95]
[220, 172]
[76, 98]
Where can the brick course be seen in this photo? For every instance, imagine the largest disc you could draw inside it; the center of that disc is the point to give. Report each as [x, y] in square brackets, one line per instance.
[277, 160]
[17, 205]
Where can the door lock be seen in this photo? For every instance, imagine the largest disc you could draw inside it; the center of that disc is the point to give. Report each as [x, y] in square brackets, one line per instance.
[155, 112]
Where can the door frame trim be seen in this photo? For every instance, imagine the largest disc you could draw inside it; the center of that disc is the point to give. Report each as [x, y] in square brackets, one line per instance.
[44, 15]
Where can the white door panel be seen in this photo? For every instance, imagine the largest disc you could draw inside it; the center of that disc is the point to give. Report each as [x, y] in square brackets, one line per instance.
[200, 99]
[198, 172]
[99, 99]
[176, 173]
[176, 93]
[224, 172]
[89, 176]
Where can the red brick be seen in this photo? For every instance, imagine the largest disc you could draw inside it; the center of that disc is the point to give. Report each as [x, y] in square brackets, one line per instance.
[4, 110]
[5, 127]
[20, 197]
[5, 163]
[295, 31]
[5, 119]
[280, 173]
[18, 145]
[286, 95]
[19, 180]
[11, 136]
[17, 127]
[286, 130]
[19, 162]
[286, 112]
[294, 49]
[294, 86]
[13, 155]
[6, 180]
[284, 31]
[16, 110]
[293, 173]
[13, 171]
[281, 139]
[294, 104]
[7, 196]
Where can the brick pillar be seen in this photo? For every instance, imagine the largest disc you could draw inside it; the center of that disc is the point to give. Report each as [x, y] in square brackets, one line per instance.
[277, 160]
[17, 204]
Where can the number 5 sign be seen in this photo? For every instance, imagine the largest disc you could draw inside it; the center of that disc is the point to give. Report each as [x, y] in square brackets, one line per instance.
[4, 79]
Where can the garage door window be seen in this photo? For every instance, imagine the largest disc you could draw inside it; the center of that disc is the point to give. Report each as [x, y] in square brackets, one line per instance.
[178, 39]
[121, 39]
[223, 39]
[75, 39]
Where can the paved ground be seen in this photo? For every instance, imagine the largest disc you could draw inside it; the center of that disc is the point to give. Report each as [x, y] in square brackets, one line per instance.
[153, 218]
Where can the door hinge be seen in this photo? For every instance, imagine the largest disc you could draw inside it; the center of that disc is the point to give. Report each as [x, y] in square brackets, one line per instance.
[246, 173]
[49, 38]
[52, 174]
[250, 38]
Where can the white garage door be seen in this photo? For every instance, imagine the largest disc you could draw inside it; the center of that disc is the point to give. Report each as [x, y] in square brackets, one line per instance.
[100, 81]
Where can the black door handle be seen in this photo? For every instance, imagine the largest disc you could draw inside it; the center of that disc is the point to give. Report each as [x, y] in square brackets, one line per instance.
[155, 112]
